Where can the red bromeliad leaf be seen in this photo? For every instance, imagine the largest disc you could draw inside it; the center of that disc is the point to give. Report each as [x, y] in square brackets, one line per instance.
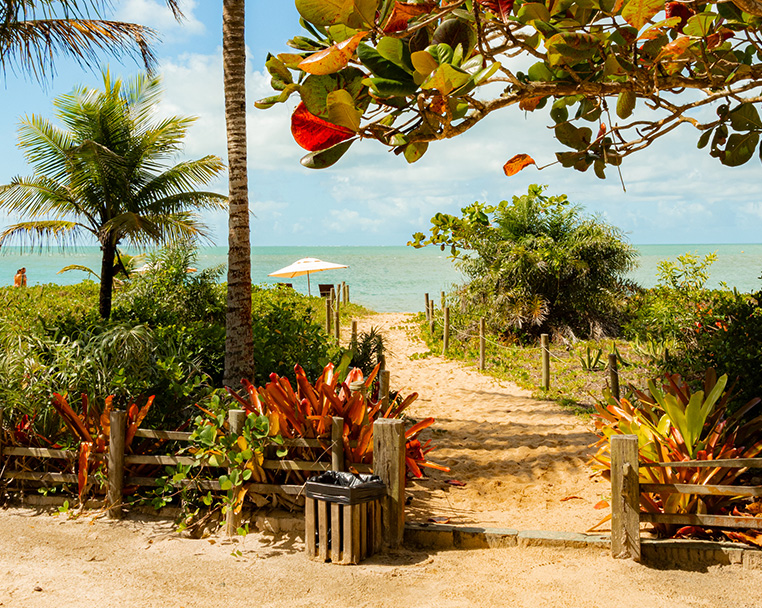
[404, 12]
[84, 455]
[433, 465]
[417, 428]
[517, 163]
[139, 417]
[501, 8]
[71, 419]
[313, 133]
[332, 59]
[413, 467]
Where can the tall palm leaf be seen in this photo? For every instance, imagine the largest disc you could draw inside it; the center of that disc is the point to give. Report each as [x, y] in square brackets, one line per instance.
[108, 174]
[239, 348]
[34, 32]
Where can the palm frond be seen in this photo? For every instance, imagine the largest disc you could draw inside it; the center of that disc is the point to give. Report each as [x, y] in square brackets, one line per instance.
[39, 233]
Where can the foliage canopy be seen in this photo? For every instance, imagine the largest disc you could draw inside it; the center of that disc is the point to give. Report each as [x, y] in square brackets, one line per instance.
[409, 73]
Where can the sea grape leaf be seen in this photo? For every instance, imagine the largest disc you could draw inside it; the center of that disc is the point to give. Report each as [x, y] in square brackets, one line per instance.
[269, 102]
[700, 25]
[313, 133]
[325, 158]
[573, 137]
[424, 62]
[569, 48]
[281, 76]
[415, 150]
[290, 60]
[540, 72]
[625, 104]
[639, 12]
[403, 12]
[456, 32]
[533, 11]
[380, 66]
[517, 163]
[487, 73]
[446, 79]
[334, 58]
[325, 12]
[342, 111]
[396, 51]
[385, 87]
[740, 148]
[745, 118]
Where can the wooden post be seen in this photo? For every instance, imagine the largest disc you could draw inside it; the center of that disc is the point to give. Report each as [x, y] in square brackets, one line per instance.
[337, 327]
[383, 390]
[334, 303]
[343, 292]
[625, 498]
[389, 465]
[116, 436]
[446, 334]
[236, 419]
[337, 444]
[346, 293]
[432, 323]
[382, 362]
[328, 316]
[442, 299]
[353, 341]
[427, 308]
[482, 344]
[614, 375]
[545, 362]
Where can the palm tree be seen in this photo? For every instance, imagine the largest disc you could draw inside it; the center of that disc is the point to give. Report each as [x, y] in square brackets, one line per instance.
[109, 174]
[34, 32]
[239, 349]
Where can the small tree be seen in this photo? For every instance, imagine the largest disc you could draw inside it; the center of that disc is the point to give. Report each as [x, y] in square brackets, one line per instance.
[108, 175]
[537, 263]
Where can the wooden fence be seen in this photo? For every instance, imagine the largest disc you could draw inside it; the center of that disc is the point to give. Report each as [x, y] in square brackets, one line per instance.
[626, 490]
[390, 431]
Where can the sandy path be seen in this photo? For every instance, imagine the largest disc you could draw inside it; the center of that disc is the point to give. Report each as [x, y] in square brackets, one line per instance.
[49, 561]
[519, 457]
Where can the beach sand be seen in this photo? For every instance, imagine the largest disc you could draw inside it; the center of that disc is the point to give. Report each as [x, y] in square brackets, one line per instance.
[523, 462]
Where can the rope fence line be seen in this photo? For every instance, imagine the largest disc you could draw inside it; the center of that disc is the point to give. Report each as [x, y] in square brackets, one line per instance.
[444, 319]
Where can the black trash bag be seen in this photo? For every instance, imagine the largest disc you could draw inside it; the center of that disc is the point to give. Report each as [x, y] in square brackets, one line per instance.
[345, 488]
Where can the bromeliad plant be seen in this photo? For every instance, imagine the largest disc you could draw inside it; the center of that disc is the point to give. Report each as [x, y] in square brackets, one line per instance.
[674, 424]
[307, 412]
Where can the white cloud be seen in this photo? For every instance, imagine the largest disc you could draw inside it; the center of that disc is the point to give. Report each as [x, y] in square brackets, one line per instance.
[157, 15]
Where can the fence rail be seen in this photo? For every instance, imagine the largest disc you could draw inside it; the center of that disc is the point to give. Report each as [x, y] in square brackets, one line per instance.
[626, 490]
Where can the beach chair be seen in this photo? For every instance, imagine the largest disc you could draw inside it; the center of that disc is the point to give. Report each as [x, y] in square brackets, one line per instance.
[325, 290]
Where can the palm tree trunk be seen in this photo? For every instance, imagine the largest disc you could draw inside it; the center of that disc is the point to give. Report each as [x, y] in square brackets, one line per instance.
[107, 279]
[239, 349]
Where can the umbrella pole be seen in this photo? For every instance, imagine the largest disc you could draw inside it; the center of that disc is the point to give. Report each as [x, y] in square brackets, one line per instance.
[309, 293]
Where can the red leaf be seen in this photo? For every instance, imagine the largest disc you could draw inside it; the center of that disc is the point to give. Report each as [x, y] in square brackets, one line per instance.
[601, 505]
[517, 163]
[84, 454]
[313, 133]
[456, 482]
[502, 8]
[404, 12]
[530, 103]
[571, 498]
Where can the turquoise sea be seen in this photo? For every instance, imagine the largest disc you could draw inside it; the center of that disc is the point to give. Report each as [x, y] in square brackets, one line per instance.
[382, 278]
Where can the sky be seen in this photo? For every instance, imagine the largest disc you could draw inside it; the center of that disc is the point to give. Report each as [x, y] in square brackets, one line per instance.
[675, 193]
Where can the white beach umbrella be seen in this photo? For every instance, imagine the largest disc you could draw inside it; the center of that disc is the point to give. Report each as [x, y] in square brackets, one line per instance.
[305, 266]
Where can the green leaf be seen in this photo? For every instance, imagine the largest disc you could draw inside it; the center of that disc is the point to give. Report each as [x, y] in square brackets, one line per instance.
[700, 25]
[396, 51]
[281, 75]
[571, 48]
[625, 103]
[446, 79]
[414, 151]
[424, 62]
[380, 66]
[571, 136]
[225, 483]
[384, 88]
[325, 158]
[704, 139]
[745, 118]
[639, 12]
[456, 32]
[540, 72]
[740, 148]
[487, 73]
[354, 13]
[533, 11]
[342, 111]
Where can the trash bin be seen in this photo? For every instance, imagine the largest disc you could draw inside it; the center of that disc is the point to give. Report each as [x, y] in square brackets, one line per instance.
[343, 516]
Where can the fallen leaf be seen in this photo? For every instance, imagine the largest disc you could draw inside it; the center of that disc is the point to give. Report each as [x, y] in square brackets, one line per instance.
[601, 505]
[517, 163]
[570, 498]
[439, 520]
[456, 483]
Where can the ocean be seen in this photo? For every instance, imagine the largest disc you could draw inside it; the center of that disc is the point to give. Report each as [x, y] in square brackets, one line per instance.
[382, 278]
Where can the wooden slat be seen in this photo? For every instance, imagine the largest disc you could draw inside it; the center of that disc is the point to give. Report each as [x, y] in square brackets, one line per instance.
[704, 490]
[729, 463]
[309, 526]
[306, 443]
[40, 453]
[296, 465]
[322, 507]
[49, 477]
[346, 534]
[717, 521]
[202, 484]
[335, 532]
[355, 534]
[363, 530]
[157, 434]
[162, 460]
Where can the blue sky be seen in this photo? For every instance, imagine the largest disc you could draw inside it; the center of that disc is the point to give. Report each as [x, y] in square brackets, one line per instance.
[675, 193]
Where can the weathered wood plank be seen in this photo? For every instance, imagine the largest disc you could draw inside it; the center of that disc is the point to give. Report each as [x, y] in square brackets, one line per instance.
[335, 532]
[355, 534]
[322, 507]
[729, 463]
[718, 521]
[625, 497]
[46, 477]
[389, 465]
[40, 453]
[346, 540]
[688, 488]
[309, 526]
[296, 465]
[117, 436]
[337, 444]
[158, 434]
[161, 460]
[363, 530]
[236, 420]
